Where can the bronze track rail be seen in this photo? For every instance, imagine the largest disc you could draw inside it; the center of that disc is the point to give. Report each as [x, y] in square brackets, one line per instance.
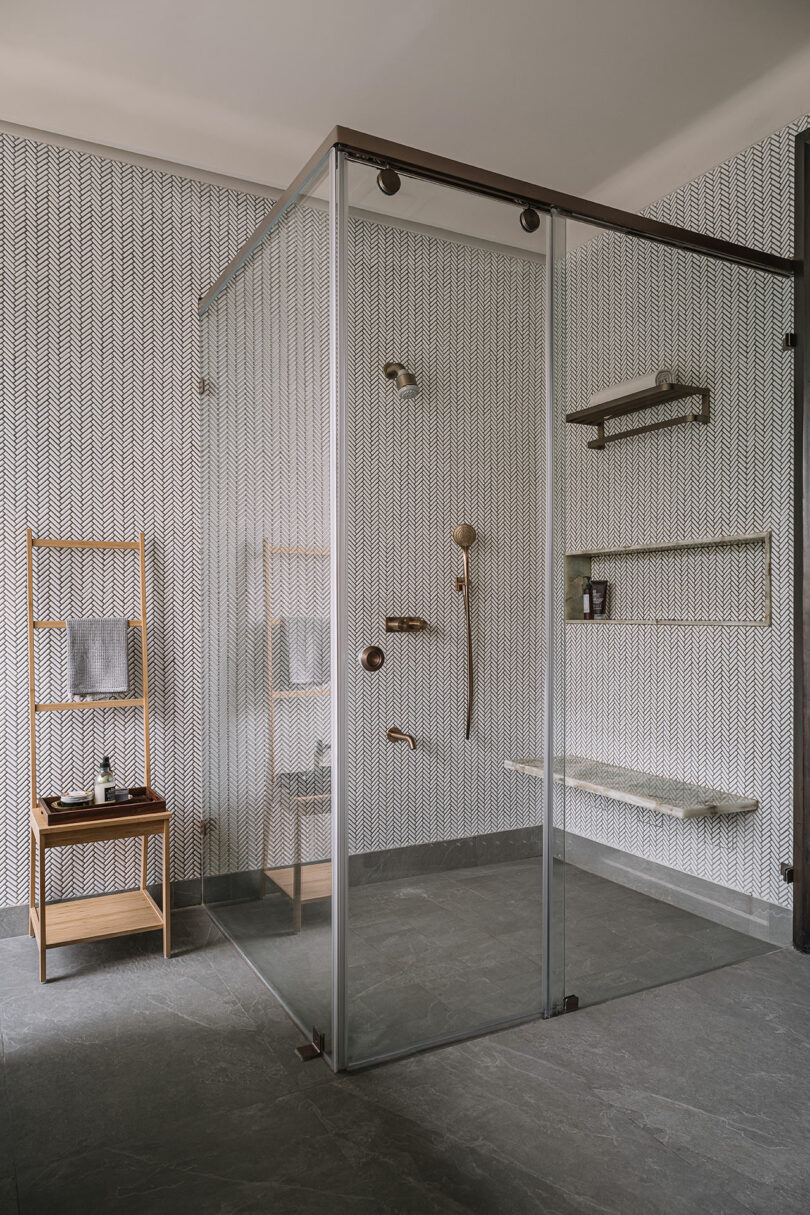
[418, 163]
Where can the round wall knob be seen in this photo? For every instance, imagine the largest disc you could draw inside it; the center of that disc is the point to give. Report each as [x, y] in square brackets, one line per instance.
[371, 658]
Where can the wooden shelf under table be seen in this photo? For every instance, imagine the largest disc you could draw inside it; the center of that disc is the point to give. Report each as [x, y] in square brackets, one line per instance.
[105, 915]
[95, 919]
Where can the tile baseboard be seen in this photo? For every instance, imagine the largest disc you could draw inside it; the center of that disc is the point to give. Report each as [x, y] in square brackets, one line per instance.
[418, 859]
[766, 921]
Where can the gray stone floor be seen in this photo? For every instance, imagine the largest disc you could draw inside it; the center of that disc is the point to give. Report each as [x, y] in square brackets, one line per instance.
[451, 952]
[135, 1084]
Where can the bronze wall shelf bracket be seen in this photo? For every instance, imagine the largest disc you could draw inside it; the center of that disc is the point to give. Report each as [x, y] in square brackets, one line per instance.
[597, 415]
[405, 624]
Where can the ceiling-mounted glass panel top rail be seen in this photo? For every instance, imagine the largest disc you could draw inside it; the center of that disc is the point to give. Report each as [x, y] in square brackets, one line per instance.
[384, 153]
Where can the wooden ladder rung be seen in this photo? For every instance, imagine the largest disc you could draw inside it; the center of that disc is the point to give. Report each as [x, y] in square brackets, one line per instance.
[59, 705]
[62, 624]
[298, 693]
[295, 550]
[39, 543]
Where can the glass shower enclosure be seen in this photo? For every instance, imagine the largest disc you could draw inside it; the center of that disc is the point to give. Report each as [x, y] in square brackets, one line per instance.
[392, 634]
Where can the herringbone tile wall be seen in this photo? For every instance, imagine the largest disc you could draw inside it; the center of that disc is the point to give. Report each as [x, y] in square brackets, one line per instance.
[102, 264]
[468, 320]
[414, 472]
[712, 705]
[748, 199]
[265, 463]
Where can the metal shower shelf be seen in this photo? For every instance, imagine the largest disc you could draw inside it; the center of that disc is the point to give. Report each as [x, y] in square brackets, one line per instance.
[619, 407]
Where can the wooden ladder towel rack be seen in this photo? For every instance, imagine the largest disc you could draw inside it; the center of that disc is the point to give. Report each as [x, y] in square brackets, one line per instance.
[108, 915]
[35, 706]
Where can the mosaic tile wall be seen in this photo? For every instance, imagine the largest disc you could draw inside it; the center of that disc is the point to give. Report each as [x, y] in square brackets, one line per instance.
[415, 471]
[102, 263]
[705, 704]
[99, 353]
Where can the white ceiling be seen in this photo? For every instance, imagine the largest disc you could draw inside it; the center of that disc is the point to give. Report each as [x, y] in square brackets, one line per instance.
[619, 100]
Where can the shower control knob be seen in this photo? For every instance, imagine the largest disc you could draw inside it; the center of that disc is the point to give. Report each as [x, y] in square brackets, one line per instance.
[371, 658]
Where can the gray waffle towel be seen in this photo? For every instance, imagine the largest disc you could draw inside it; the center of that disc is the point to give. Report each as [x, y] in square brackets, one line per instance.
[97, 656]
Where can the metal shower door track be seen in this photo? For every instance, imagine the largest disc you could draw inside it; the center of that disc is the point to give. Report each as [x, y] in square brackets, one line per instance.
[416, 162]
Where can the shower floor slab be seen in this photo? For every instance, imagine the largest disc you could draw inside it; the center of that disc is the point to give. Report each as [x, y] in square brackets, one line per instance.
[450, 953]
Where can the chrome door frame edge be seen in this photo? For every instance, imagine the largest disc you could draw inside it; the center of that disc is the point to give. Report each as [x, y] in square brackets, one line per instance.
[339, 608]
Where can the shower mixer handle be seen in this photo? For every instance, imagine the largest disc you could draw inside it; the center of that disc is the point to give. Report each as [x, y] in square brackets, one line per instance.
[397, 735]
[405, 624]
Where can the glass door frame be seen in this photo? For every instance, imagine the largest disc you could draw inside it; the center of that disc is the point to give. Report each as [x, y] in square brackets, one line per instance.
[338, 226]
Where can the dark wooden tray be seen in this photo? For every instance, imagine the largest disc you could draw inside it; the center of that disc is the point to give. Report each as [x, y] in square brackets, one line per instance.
[142, 801]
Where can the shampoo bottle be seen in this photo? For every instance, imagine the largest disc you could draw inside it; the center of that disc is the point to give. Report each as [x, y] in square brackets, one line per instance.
[104, 788]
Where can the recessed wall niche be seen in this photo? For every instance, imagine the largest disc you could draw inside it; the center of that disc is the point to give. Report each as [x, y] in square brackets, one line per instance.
[723, 580]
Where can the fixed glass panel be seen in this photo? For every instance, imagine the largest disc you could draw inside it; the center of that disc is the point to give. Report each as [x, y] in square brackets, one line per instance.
[678, 576]
[445, 511]
[266, 609]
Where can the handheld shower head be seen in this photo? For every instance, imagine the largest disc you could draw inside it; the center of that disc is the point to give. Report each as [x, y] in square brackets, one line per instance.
[464, 535]
[404, 381]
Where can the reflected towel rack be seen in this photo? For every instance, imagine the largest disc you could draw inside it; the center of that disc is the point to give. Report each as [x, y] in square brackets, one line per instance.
[291, 878]
[274, 622]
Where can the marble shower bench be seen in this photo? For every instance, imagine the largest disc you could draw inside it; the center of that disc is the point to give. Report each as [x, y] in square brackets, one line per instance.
[659, 793]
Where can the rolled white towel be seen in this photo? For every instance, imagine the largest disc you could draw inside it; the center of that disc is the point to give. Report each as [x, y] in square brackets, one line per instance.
[667, 375]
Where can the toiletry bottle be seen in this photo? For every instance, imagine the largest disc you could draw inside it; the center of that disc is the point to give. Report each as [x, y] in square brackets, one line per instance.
[104, 788]
[599, 590]
[587, 600]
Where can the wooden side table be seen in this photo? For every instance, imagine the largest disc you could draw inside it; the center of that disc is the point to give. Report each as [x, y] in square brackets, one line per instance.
[105, 915]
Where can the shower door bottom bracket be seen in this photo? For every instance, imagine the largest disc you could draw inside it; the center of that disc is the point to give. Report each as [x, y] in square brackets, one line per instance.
[313, 1049]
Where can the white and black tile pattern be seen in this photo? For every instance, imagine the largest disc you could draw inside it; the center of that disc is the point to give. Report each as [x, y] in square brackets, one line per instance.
[265, 462]
[747, 199]
[99, 355]
[467, 320]
[415, 470]
[710, 705]
[102, 264]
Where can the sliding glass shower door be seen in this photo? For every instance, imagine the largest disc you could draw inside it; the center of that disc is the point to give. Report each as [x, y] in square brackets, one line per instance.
[444, 451]
[679, 619]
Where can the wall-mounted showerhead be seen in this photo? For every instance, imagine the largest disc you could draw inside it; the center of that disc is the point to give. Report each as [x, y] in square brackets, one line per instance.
[404, 381]
[464, 535]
